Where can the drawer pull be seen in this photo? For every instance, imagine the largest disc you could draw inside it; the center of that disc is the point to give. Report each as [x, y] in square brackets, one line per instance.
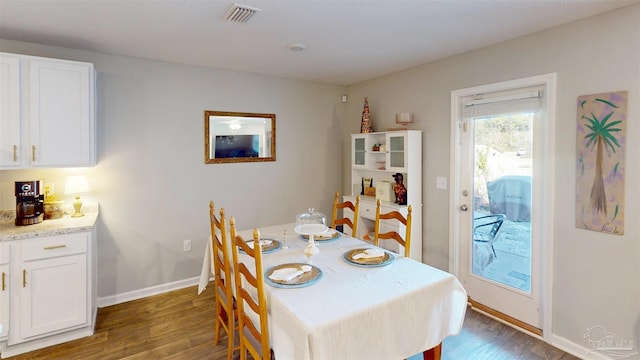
[24, 278]
[3, 281]
[55, 247]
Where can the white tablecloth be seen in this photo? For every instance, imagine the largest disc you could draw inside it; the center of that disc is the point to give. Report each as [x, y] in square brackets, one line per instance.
[207, 267]
[389, 312]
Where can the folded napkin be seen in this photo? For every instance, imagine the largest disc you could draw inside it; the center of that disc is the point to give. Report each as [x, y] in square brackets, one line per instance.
[262, 243]
[287, 274]
[368, 254]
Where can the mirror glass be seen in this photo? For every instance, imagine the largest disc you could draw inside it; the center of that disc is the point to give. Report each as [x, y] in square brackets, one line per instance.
[239, 137]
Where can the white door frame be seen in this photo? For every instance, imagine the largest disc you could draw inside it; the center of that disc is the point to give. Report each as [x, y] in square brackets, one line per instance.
[547, 167]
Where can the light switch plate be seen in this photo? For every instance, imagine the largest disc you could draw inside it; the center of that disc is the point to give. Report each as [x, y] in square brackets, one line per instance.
[186, 245]
[441, 183]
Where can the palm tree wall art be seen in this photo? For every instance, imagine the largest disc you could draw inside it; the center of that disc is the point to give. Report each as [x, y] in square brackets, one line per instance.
[601, 145]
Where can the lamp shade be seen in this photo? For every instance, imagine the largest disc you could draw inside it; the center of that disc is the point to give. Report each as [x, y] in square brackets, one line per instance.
[76, 184]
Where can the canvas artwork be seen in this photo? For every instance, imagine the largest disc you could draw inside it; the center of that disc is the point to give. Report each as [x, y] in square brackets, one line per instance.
[601, 145]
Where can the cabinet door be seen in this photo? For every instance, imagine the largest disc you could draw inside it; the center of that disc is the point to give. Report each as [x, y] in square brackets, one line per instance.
[4, 291]
[61, 115]
[396, 152]
[358, 148]
[10, 133]
[54, 295]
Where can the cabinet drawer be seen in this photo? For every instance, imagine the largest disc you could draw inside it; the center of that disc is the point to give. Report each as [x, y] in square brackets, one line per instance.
[367, 210]
[4, 254]
[54, 246]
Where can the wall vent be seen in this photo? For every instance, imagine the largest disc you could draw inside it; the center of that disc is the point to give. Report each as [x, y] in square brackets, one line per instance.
[240, 13]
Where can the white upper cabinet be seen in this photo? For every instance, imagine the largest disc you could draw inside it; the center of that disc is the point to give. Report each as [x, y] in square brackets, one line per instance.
[56, 113]
[10, 141]
[359, 151]
[396, 152]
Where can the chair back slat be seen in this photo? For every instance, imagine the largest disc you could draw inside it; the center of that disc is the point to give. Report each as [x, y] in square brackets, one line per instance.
[335, 222]
[394, 215]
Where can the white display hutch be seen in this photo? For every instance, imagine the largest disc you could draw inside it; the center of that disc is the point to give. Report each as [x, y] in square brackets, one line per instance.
[396, 152]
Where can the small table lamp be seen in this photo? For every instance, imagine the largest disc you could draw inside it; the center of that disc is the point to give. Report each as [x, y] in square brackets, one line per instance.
[76, 184]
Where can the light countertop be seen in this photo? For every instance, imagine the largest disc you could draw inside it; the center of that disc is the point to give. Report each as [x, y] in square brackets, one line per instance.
[65, 225]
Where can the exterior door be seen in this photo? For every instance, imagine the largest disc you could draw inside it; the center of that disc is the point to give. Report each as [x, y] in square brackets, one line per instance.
[498, 198]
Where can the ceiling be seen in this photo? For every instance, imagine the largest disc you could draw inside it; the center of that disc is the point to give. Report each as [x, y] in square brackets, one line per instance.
[346, 41]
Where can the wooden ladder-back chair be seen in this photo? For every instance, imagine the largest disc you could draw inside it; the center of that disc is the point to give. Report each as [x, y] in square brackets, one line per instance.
[406, 242]
[345, 220]
[253, 334]
[225, 311]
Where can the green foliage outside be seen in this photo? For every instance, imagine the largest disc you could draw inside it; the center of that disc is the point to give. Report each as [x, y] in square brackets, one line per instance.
[505, 133]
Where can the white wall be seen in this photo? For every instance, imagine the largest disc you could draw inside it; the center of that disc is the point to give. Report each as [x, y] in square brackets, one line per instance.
[596, 276]
[151, 180]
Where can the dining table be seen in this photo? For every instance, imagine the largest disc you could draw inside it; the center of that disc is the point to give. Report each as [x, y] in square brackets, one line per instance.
[352, 310]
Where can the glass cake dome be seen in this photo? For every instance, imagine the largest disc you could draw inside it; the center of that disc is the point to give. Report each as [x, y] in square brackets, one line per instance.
[311, 223]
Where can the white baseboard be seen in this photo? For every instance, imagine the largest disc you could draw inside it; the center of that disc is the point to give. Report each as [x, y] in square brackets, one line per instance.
[150, 291]
[559, 342]
[574, 349]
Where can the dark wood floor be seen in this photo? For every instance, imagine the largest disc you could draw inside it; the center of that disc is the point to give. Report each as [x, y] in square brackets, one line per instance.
[179, 325]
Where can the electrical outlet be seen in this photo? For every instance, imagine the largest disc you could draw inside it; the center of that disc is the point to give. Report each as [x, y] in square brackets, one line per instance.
[441, 183]
[186, 245]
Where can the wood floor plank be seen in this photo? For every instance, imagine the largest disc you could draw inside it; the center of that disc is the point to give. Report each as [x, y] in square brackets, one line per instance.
[179, 326]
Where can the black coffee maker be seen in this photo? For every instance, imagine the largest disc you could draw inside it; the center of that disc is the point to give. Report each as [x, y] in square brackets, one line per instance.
[29, 203]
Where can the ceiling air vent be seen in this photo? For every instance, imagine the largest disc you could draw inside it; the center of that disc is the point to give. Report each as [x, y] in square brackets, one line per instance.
[240, 13]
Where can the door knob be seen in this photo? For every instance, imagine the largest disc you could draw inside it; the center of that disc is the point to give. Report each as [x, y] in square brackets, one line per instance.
[464, 207]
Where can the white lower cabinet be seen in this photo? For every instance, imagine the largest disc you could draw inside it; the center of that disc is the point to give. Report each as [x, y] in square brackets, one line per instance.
[51, 297]
[4, 291]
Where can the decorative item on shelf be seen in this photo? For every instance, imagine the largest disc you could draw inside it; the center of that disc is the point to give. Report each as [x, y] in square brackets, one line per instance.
[52, 204]
[370, 191]
[76, 184]
[384, 191]
[404, 119]
[365, 123]
[367, 185]
[399, 189]
[376, 147]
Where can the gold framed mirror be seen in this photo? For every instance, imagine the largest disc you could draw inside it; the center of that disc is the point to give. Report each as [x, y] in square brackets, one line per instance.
[232, 137]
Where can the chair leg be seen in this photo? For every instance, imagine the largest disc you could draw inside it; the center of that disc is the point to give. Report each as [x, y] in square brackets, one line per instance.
[494, 251]
[216, 336]
[230, 334]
